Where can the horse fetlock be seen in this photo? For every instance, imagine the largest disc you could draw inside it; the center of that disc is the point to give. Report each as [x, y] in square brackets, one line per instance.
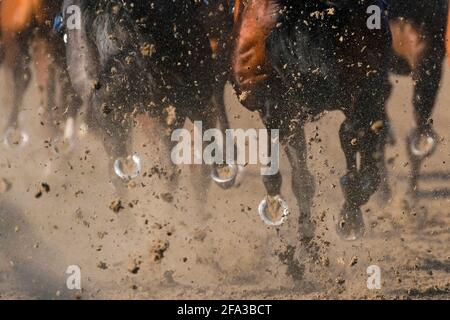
[350, 223]
[273, 184]
[358, 187]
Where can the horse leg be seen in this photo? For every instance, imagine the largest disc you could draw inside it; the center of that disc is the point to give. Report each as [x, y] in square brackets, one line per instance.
[164, 140]
[363, 133]
[385, 191]
[219, 104]
[115, 130]
[350, 217]
[17, 60]
[2, 51]
[251, 70]
[302, 182]
[73, 102]
[69, 101]
[427, 77]
[42, 65]
[224, 175]
[82, 61]
[257, 88]
[208, 121]
[273, 209]
[106, 99]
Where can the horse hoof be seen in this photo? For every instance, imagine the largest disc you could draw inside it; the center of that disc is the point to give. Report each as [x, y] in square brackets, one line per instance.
[225, 176]
[273, 211]
[15, 138]
[83, 131]
[128, 168]
[63, 145]
[350, 224]
[66, 143]
[422, 145]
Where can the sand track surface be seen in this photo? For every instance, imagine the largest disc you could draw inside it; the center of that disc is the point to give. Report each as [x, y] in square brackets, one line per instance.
[161, 243]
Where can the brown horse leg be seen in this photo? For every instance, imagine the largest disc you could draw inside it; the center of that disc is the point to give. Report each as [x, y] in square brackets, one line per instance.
[254, 21]
[46, 81]
[17, 63]
[41, 65]
[250, 67]
[2, 51]
[407, 41]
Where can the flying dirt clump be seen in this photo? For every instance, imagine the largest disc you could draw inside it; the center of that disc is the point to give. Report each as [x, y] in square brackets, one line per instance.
[116, 206]
[134, 266]
[167, 197]
[44, 188]
[157, 250]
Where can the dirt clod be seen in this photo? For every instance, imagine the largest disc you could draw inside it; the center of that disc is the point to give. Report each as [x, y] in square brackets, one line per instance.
[134, 266]
[116, 206]
[157, 250]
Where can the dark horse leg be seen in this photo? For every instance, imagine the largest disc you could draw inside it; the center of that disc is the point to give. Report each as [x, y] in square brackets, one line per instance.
[427, 77]
[127, 80]
[363, 98]
[292, 137]
[302, 181]
[116, 132]
[422, 141]
[363, 134]
[418, 30]
[105, 71]
[216, 19]
[261, 90]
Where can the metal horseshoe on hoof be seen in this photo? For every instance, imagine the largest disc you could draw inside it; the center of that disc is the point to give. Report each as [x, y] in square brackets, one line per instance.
[422, 149]
[266, 217]
[122, 165]
[16, 138]
[227, 181]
